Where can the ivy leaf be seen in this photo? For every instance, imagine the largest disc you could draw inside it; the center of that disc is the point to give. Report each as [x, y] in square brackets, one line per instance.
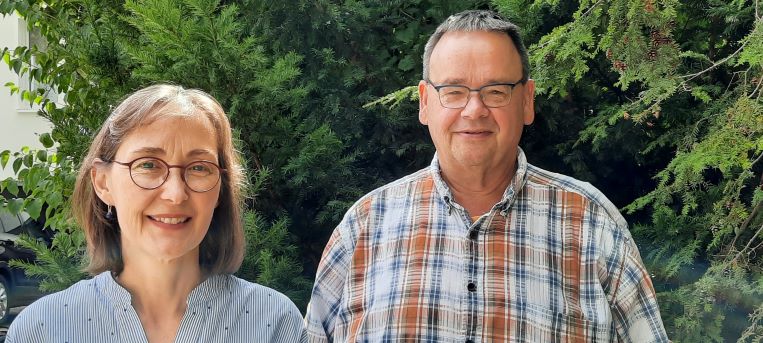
[16, 65]
[15, 205]
[54, 199]
[11, 186]
[42, 155]
[34, 207]
[28, 160]
[46, 140]
[17, 165]
[4, 157]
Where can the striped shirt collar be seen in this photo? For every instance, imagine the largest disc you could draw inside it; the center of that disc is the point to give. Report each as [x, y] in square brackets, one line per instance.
[205, 292]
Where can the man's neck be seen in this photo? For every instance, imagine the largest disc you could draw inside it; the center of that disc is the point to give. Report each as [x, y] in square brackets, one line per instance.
[477, 188]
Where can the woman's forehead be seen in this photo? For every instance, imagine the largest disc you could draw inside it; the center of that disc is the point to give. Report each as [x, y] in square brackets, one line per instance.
[172, 135]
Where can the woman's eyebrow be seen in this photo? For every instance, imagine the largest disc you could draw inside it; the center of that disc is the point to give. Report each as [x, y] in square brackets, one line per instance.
[149, 151]
[200, 152]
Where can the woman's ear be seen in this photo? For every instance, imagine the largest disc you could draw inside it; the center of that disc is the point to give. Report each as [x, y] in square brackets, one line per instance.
[100, 179]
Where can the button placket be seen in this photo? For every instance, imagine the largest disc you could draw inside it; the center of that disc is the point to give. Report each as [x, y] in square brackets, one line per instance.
[473, 299]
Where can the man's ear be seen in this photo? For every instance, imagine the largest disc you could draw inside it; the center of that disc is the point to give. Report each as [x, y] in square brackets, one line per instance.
[423, 118]
[99, 177]
[528, 103]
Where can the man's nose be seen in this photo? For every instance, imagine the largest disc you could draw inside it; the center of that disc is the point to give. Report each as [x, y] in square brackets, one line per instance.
[475, 107]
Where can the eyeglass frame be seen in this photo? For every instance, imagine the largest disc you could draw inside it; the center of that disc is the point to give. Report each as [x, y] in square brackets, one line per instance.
[478, 90]
[221, 171]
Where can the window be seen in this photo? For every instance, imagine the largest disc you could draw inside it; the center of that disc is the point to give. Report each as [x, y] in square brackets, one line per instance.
[29, 39]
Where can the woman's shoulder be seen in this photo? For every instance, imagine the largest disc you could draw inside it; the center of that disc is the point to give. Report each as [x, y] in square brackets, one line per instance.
[79, 293]
[52, 309]
[277, 318]
[255, 293]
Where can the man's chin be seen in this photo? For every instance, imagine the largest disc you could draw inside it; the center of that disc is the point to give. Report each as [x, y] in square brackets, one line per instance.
[475, 160]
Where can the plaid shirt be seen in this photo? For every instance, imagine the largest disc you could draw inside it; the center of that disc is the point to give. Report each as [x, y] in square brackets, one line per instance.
[553, 261]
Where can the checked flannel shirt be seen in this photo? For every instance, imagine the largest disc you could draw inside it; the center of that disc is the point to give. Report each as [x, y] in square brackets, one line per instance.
[553, 261]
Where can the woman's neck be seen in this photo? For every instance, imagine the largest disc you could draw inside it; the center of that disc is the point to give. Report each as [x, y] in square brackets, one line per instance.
[159, 293]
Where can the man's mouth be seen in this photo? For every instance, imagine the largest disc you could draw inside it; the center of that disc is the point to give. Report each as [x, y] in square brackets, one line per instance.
[475, 132]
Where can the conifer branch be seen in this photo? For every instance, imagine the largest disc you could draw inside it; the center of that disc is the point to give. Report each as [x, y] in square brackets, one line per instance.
[690, 77]
[756, 247]
[752, 215]
[739, 254]
[757, 87]
[757, 160]
[407, 15]
[569, 28]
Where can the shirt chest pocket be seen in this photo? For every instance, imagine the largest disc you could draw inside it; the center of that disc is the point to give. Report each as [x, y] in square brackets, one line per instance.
[543, 325]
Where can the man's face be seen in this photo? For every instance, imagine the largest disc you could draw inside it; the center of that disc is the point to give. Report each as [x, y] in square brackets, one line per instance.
[476, 136]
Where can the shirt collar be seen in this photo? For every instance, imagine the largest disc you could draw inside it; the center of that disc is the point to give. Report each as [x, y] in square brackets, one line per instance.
[210, 288]
[516, 184]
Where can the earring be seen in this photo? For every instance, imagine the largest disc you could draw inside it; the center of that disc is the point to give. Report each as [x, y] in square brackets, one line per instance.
[109, 215]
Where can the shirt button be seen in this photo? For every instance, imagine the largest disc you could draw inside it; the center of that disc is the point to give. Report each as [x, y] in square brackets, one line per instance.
[471, 287]
[473, 234]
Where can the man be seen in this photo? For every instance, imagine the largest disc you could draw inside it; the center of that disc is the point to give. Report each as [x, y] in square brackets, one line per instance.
[481, 246]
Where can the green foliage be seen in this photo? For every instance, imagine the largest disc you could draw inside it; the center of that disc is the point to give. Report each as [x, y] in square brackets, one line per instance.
[703, 307]
[63, 258]
[272, 260]
[43, 183]
[396, 98]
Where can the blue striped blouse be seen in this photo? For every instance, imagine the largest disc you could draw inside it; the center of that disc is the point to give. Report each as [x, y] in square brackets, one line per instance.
[223, 308]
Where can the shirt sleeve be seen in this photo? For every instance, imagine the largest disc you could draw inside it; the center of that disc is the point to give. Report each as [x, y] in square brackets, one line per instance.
[25, 328]
[291, 328]
[325, 302]
[632, 297]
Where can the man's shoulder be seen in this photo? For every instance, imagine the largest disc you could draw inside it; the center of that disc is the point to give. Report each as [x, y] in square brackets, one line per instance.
[398, 189]
[538, 177]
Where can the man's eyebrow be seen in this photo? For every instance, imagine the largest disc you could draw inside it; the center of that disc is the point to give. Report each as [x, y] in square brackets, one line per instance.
[453, 81]
[461, 81]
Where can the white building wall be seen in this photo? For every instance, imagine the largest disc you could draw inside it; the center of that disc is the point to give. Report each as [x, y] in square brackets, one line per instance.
[19, 125]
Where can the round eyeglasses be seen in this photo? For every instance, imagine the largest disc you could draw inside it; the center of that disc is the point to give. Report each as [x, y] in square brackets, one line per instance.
[492, 95]
[152, 173]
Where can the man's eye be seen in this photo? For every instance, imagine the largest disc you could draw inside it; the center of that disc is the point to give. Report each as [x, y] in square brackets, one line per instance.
[147, 165]
[454, 92]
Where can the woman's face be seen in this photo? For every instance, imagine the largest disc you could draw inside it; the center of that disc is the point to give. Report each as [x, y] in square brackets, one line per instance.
[167, 223]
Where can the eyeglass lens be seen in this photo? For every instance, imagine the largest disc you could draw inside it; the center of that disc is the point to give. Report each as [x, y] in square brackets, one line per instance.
[150, 173]
[458, 96]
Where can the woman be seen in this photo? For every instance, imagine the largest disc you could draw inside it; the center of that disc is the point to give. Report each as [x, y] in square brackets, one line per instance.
[159, 198]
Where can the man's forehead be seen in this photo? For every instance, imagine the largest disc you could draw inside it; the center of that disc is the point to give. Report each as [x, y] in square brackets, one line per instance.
[495, 39]
[460, 56]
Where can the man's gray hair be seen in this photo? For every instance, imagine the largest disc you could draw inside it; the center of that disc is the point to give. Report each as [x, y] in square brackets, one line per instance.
[477, 20]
